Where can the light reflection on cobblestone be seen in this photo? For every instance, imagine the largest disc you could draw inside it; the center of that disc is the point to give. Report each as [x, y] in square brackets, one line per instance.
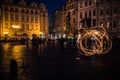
[9, 52]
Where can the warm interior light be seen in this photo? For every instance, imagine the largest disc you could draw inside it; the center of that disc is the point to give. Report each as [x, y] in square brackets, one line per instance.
[5, 32]
[95, 1]
[40, 32]
[15, 26]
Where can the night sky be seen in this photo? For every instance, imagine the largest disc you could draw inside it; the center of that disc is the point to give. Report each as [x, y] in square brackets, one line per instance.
[51, 4]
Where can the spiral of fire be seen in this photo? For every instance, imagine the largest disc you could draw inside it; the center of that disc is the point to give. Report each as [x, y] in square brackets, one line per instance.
[95, 41]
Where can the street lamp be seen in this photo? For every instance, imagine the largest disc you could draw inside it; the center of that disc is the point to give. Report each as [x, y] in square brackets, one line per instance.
[15, 27]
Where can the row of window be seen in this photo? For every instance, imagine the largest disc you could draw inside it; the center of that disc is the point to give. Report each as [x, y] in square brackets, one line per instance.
[91, 2]
[93, 23]
[107, 1]
[102, 12]
[88, 14]
[87, 3]
[22, 2]
[22, 18]
[72, 6]
[21, 10]
[112, 24]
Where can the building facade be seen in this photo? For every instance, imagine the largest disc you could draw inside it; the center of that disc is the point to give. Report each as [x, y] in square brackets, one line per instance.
[21, 18]
[0, 22]
[59, 21]
[71, 16]
[90, 13]
[65, 18]
[100, 13]
[86, 9]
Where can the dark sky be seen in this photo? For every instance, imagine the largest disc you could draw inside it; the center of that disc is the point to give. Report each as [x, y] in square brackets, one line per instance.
[51, 4]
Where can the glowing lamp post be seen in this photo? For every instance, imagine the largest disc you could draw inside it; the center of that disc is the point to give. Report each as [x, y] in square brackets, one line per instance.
[15, 27]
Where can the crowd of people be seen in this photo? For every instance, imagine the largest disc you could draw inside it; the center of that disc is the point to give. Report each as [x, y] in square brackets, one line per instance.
[38, 45]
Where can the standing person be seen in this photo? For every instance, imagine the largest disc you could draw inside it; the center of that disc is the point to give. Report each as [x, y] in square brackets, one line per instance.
[35, 45]
[40, 46]
[27, 43]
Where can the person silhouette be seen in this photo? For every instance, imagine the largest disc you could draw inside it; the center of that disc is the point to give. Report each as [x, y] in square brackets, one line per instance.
[13, 69]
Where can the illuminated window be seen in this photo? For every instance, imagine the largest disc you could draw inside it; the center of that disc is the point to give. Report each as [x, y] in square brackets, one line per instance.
[95, 1]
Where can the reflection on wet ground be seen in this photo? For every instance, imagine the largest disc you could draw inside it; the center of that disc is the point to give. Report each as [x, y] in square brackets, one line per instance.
[57, 63]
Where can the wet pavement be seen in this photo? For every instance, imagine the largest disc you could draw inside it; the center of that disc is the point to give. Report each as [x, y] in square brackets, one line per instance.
[58, 64]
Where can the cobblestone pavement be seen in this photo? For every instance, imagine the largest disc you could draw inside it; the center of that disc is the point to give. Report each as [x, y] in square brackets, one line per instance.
[58, 64]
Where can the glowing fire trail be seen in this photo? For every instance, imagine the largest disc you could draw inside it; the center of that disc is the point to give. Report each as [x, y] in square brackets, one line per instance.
[94, 41]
